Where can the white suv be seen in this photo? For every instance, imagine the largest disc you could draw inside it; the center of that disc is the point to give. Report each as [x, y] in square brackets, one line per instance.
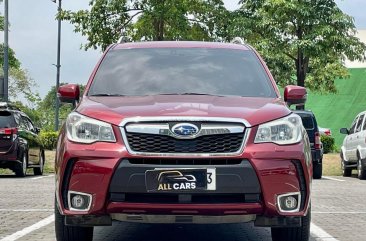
[353, 152]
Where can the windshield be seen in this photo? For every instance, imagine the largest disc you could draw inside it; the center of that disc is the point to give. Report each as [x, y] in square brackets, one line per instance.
[223, 72]
[307, 121]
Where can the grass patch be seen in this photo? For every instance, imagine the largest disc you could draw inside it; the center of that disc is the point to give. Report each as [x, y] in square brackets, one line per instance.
[332, 165]
[50, 161]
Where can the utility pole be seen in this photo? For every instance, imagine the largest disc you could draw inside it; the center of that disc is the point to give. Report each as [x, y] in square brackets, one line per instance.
[6, 50]
[58, 66]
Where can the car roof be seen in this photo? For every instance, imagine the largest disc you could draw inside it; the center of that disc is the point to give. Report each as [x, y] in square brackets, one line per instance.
[181, 44]
[15, 111]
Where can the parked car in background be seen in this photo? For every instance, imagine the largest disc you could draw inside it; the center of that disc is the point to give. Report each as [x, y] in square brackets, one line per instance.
[183, 132]
[353, 151]
[325, 131]
[311, 126]
[20, 146]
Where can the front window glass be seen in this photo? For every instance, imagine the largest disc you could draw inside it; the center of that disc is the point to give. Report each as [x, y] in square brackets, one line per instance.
[353, 126]
[359, 123]
[138, 72]
[307, 121]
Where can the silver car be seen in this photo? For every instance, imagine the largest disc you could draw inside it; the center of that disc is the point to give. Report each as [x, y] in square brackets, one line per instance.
[353, 153]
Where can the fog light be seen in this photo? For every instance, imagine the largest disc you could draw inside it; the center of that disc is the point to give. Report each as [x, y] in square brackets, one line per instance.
[79, 201]
[289, 202]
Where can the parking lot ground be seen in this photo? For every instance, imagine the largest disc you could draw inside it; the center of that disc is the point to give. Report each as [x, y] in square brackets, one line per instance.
[26, 209]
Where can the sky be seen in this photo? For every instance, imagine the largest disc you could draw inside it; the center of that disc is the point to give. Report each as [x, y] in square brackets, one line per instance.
[33, 36]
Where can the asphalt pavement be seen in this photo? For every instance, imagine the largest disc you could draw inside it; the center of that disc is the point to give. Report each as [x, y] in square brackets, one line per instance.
[26, 213]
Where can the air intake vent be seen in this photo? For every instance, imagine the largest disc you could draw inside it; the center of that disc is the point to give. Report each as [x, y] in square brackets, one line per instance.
[183, 219]
[134, 218]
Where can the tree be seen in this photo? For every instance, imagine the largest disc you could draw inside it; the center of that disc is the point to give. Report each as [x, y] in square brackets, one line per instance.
[107, 20]
[47, 109]
[303, 41]
[1, 23]
[19, 79]
[13, 61]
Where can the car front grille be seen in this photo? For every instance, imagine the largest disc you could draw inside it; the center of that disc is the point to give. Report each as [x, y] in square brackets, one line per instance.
[223, 143]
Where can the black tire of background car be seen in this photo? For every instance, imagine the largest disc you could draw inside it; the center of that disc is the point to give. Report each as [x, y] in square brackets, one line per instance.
[346, 171]
[361, 172]
[38, 171]
[70, 233]
[19, 170]
[317, 170]
[291, 234]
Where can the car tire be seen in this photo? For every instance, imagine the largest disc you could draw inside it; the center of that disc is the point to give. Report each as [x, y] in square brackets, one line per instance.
[21, 169]
[290, 234]
[346, 171]
[70, 233]
[38, 171]
[317, 170]
[361, 172]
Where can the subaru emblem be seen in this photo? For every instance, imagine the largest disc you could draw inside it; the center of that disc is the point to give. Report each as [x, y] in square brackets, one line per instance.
[185, 130]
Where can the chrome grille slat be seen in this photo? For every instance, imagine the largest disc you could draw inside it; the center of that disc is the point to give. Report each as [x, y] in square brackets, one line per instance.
[151, 136]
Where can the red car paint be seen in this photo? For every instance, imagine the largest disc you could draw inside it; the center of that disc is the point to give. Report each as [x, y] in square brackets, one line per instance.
[96, 163]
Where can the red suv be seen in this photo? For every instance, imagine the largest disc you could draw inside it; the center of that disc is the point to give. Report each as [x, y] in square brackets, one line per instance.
[182, 132]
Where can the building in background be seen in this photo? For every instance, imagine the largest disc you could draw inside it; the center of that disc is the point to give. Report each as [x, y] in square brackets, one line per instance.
[356, 64]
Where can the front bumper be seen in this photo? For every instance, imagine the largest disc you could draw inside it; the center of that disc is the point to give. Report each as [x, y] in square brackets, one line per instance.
[103, 170]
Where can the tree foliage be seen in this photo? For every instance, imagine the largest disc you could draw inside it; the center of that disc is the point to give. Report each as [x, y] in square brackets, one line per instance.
[20, 81]
[13, 61]
[108, 20]
[1, 23]
[303, 41]
[47, 107]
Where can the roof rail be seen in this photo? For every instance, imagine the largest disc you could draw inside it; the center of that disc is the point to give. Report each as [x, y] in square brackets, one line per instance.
[122, 40]
[237, 40]
[8, 106]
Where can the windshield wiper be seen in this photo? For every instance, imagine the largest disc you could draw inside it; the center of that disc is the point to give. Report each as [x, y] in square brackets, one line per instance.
[190, 93]
[103, 94]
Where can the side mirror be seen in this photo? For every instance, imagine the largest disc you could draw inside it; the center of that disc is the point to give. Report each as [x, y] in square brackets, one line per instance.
[295, 95]
[69, 93]
[344, 131]
[37, 130]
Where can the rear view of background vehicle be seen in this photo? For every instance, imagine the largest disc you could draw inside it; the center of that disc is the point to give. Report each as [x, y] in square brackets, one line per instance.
[353, 151]
[325, 131]
[311, 126]
[20, 147]
[183, 132]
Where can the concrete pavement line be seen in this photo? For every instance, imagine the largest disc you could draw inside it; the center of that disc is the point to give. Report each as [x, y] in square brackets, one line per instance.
[27, 210]
[334, 179]
[340, 212]
[318, 233]
[40, 177]
[27, 230]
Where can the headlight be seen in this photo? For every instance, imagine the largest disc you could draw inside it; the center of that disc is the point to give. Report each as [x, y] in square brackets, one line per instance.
[83, 129]
[283, 131]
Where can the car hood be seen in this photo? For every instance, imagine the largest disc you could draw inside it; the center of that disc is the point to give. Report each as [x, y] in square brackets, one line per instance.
[114, 109]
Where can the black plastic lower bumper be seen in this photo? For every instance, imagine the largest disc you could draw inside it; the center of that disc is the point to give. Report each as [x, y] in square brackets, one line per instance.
[234, 183]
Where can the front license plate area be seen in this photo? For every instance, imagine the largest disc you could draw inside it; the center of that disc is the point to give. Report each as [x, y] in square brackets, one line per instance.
[180, 180]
